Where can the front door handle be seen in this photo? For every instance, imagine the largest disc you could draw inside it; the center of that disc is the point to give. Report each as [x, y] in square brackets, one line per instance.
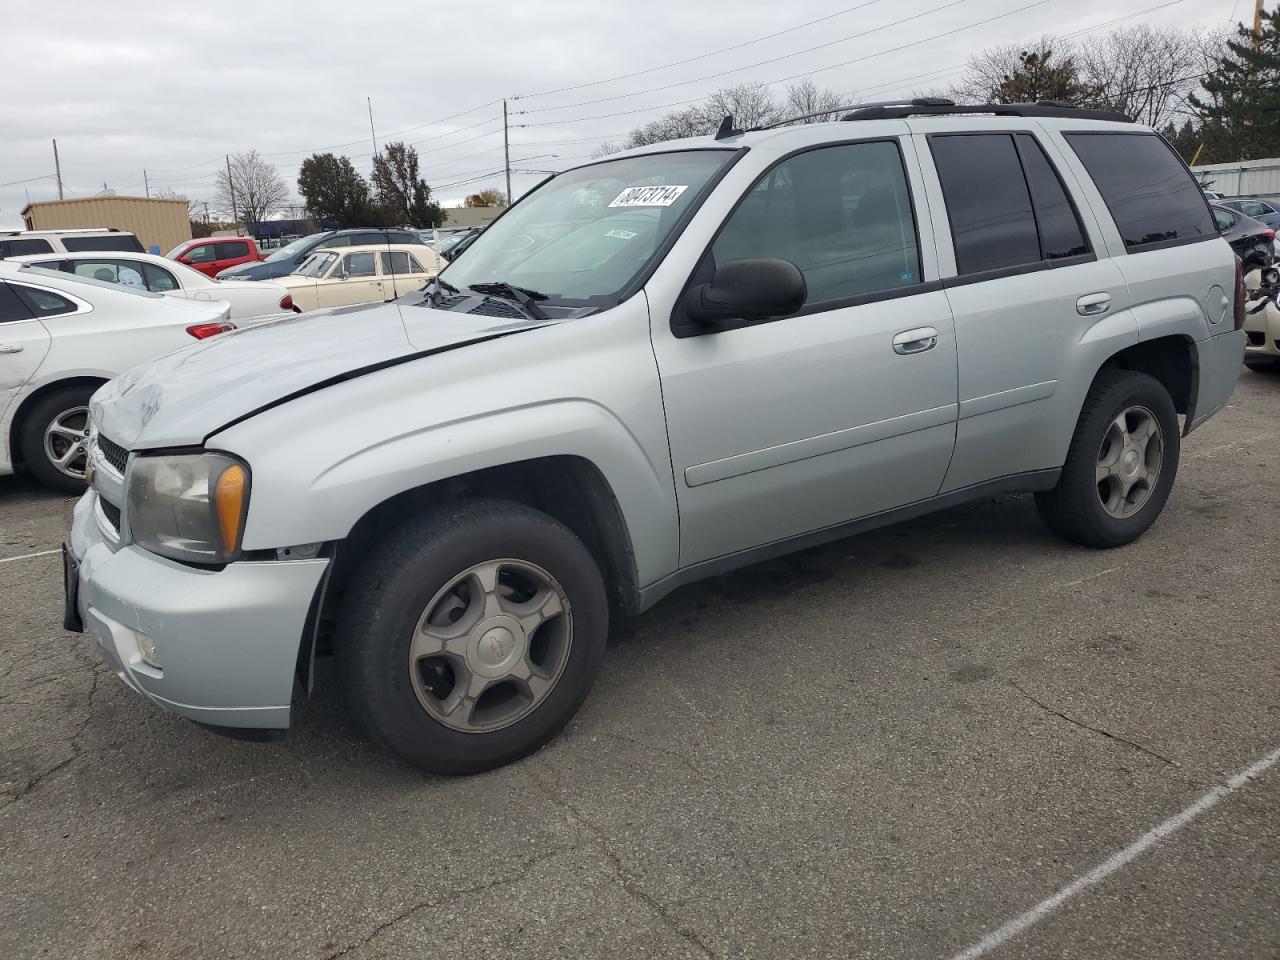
[1093, 304]
[10, 348]
[915, 341]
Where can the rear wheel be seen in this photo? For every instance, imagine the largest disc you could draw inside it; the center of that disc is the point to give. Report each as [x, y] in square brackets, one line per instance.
[1263, 364]
[1121, 463]
[54, 438]
[472, 635]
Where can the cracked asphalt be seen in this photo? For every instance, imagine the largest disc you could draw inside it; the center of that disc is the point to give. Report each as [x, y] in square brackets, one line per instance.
[886, 747]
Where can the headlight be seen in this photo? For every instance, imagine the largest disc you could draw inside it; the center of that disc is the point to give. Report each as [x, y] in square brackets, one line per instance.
[189, 507]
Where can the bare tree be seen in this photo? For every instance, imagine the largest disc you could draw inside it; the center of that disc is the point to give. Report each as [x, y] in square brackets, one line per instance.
[606, 149]
[252, 190]
[673, 126]
[985, 72]
[195, 208]
[750, 105]
[807, 97]
[1146, 72]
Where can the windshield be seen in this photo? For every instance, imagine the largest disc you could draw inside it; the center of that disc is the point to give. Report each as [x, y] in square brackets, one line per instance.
[585, 235]
[291, 250]
[316, 265]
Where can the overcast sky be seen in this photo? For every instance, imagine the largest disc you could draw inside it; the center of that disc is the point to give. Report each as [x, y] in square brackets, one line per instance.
[170, 88]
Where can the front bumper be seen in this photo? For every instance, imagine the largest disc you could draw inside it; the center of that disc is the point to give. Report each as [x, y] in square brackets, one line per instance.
[226, 640]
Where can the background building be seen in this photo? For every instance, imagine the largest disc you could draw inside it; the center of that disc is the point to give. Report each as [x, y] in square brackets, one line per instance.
[157, 223]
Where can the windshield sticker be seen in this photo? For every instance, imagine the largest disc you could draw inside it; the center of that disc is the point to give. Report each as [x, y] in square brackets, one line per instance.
[622, 234]
[648, 196]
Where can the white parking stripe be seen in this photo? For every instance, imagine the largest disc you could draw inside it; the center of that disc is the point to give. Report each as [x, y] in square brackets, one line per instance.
[1109, 866]
[28, 556]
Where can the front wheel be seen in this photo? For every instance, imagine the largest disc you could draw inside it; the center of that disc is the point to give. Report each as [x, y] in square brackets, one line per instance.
[1120, 465]
[472, 635]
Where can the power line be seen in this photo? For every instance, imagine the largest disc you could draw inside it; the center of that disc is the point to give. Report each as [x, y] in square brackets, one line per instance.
[759, 63]
[702, 56]
[15, 183]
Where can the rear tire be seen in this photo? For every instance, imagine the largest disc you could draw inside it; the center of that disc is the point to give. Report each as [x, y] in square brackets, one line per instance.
[488, 592]
[1263, 364]
[56, 426]
[1116, 480]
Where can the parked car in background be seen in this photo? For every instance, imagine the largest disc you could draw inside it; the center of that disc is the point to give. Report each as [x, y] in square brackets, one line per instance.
[63, 337]
[287, 259]
[1253, 242]
[1262, 321]
[1261, 210]
[249, 301]
[656, 368]
[16, 243]
[212, 255]
[457, 242]
[341, 277]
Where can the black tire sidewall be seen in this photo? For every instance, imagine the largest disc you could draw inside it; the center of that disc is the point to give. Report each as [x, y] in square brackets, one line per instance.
[31, 435]
[419, 560]
[1126, 390]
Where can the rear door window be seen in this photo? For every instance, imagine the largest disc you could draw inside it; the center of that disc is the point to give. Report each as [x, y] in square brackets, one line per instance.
[11, 306]
[106, 241]
[841, 214]
[988, 203]
[232, 250]
[360, 265]
[399, 262]
[1061, 235]
[110, 271]
[43, 303]
[1151, 194]
[24, 245]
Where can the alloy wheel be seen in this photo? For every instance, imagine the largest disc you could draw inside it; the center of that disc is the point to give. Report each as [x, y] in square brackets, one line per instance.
[66, 442]
[1129, 462]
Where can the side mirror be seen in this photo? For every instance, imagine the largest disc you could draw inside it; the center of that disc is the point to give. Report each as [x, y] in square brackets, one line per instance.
[755, 289]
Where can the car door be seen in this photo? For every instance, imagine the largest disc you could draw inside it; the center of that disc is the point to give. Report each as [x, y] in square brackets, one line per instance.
[230, 253]
[202, 257]
[402, 272]
[1034, 305]
[23, 344]
[354, 280]
[846, 409]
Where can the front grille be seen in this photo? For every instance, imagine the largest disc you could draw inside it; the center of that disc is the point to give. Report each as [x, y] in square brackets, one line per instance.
[1257, 338]
[111, 512]
[489, 307]
[113, 453]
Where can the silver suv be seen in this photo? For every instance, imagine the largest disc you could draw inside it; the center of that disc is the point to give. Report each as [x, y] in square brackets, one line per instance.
[654, 368]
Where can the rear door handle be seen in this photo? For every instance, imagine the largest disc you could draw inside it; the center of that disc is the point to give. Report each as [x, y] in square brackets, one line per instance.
[915, 341]
[1093, 304]
[10, 348]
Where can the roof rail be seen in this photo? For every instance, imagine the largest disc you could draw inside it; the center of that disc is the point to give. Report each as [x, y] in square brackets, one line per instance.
[1041, 108]
[916, 102]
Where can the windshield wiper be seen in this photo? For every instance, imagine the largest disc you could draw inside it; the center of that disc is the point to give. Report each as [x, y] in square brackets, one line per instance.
[526, 298]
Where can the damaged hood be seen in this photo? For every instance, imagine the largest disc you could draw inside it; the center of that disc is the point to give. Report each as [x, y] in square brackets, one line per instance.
[184, 397]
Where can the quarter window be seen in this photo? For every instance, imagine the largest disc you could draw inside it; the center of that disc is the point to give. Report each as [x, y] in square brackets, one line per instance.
[43, 303]
[988, 202]
[841, 214]
[159, 280]
[1151, 194]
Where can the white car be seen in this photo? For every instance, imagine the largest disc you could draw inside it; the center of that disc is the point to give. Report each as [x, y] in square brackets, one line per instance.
[61, 338]
[16, 243]
[341, 277]
[250, 301]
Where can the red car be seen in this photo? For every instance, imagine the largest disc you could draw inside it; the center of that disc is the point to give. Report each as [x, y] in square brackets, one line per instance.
[215, 253]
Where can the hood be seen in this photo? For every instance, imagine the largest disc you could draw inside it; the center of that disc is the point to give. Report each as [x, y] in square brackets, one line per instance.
[257, 270]
[186, 396]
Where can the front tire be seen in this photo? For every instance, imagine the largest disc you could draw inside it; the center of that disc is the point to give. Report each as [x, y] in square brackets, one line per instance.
[1121, 463]
[472, 635]
[54, 438]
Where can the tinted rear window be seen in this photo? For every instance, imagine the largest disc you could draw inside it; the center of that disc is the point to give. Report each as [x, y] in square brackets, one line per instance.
[24, 245]
[232, 250]
[988, 204]
[1150, 193]
[107, 241]
[11, 308]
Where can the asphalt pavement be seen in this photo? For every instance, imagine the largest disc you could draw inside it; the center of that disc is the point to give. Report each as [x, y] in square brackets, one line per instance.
[916, 743]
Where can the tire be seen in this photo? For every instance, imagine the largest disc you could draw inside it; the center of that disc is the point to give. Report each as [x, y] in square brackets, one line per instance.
[68, 404]
[1075, 509]
[1263, 364]
[413, 574]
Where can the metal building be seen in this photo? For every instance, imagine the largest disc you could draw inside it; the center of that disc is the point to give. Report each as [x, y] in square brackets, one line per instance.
[1246, 178]
[157, 223]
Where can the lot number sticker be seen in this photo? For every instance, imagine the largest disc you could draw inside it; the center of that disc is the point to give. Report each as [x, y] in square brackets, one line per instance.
[648, 196]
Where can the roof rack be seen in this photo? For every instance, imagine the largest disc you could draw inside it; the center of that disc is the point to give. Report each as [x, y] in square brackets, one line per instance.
[941, 107]
[915, 102]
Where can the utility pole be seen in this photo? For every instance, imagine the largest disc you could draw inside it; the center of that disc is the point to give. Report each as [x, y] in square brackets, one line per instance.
[206, 213]
[57, 168]
[1257, 23]
[146, 184]
[506, 150]
[372, 136]
[231, 188]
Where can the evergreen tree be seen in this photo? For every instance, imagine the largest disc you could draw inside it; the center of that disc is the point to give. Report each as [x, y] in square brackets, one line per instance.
[1240, 109]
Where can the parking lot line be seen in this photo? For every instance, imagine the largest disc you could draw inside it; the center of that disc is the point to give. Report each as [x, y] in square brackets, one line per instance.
[29, 556]
[1113, 863]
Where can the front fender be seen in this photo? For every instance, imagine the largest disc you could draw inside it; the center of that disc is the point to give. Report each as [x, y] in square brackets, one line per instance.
[321, 461]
